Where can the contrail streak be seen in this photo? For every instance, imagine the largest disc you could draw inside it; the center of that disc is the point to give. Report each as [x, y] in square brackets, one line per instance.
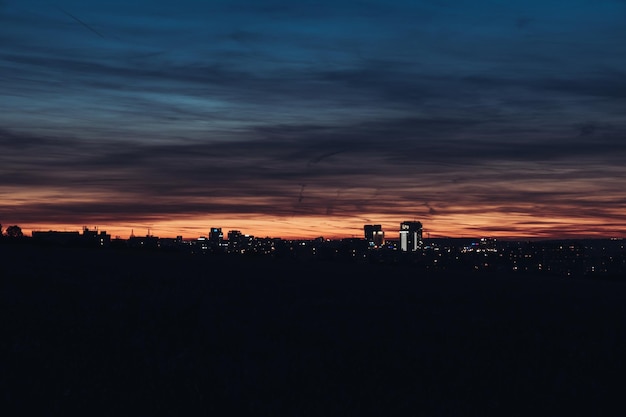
[80, 21]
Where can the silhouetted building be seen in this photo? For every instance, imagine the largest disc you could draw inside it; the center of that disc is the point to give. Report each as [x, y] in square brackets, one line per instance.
[172, 244]
[374, 235]
[410, 236]
[143, 242]
[90, 238]
[233, 240]
[56, 238]
[95, 238]
[216, 236]
[202, 244]
[238, 242]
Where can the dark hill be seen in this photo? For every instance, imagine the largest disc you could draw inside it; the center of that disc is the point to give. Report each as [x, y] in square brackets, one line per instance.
[129, 333]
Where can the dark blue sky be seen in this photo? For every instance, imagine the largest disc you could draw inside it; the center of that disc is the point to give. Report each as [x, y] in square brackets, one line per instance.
[314, 118]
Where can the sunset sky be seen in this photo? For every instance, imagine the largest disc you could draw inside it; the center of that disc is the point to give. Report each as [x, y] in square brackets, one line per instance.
[312, 118]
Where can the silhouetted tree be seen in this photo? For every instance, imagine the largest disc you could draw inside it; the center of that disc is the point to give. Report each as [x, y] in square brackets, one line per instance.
[14, 231]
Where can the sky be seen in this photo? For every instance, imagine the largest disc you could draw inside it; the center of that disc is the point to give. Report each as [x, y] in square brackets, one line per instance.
[300, 119]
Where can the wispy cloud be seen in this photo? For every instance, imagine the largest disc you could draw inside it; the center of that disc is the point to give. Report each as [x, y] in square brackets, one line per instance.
[342, 109]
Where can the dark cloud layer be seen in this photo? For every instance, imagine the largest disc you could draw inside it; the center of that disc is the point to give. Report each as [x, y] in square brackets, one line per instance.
[112, 111]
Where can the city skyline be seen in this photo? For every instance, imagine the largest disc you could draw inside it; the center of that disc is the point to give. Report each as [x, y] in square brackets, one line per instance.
[377, 234]
[308, 119]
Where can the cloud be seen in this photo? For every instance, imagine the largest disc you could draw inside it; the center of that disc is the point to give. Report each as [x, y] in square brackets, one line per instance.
[314, 108]
[277, 168]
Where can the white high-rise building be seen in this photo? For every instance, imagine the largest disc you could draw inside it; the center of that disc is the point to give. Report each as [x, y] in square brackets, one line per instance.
[410, 236]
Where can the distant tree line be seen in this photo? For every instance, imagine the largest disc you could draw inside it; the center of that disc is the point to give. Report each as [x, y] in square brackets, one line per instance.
[12, 232]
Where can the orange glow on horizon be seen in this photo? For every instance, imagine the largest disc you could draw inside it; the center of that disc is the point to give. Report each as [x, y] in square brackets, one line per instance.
[486, 224]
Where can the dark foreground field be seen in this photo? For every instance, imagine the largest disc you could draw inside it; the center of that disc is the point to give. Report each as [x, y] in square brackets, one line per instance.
[139, 334]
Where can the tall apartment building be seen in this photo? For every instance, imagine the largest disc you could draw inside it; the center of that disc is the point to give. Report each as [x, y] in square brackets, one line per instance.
[410, 236]
[374, 234]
